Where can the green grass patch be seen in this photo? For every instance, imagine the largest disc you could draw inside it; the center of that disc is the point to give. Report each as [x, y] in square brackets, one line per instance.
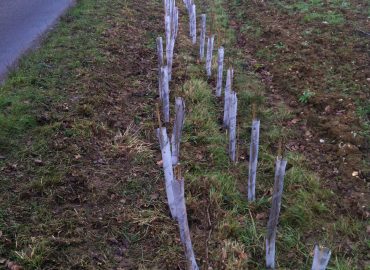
[33, 109]
[43, 77]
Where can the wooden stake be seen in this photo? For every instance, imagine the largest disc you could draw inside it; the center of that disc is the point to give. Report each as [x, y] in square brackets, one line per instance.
[237, 143]
[254, 111]
[213, 18]
[158, 115]
[280, 149]
[218, 37]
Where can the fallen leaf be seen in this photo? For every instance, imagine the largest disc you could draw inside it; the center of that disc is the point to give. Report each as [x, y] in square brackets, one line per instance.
[160, 163]
[243, 256]
[123, 201]
[308, 133]
[261, 216]
[199, 156]
[294, 121]
[13, 266]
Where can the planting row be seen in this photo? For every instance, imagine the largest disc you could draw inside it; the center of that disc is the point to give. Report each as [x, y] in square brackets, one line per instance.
[170, 146]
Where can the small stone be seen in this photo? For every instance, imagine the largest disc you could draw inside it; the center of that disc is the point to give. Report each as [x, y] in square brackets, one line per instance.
[322, 141]
[295, 121]
[118, 258]
[260, 216]
[38, 162]
[355, 174]
[293, 104]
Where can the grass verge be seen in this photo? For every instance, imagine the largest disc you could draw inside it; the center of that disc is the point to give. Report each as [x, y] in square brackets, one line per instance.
[86, 193]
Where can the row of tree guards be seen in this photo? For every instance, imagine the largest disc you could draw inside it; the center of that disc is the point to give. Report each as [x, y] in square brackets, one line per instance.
[170, 147]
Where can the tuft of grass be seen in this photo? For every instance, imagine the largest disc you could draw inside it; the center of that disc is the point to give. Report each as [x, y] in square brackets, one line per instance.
[316, 10]
[329, 17]
[305, 97]
[35, 255]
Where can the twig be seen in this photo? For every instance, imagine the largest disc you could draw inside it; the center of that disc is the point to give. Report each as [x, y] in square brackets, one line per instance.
[237, 143]
[363, 32]
[254, 110]
[158, 115]
[209, 234]
[280, 150]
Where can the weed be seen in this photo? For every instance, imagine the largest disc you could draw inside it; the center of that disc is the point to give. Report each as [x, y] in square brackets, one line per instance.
[265, 53]
[279, 45]
[305, 97]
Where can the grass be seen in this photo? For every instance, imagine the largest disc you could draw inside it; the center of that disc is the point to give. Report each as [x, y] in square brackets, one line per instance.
[44, 74]
[316, 10]
[307, 204]
[304, 200]
[98, 192]
[305, 97]
[35, 112]
[336, 80]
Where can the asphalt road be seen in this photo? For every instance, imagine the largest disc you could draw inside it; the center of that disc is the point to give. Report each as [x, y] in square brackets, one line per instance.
[22, 22]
